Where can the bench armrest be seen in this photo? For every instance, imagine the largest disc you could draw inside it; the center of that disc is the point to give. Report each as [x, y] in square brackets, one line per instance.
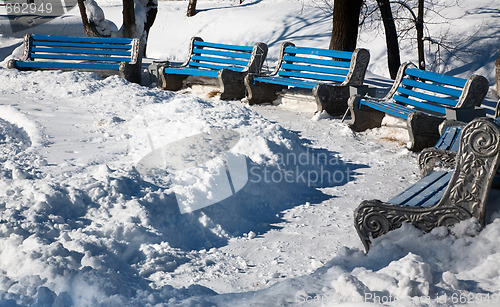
[357, 69]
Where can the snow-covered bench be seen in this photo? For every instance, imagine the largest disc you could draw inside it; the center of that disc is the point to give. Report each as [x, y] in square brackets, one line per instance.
[329, 75]
[441, 198]
[421, 98]
[212, 63]
[103, 55]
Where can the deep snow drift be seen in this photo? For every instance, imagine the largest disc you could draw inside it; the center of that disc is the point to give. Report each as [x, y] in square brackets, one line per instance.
[86, 221]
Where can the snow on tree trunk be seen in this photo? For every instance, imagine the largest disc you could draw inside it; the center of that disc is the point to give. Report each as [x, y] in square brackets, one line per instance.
[138, 17]
[96, 18]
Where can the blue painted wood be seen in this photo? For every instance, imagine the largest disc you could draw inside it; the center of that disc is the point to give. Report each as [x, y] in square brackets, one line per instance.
[388, 108]
[66, 65]
[425, 191]
[311, 76]
[82, 45]
[421, 105]
[317, 69]
[316, 61]
[191, 71]
[213, 66]
[110, 40]
[319, 52]
[222, 53]
[433, 87]
[288, 82]
[427, 97]
[223, 46]
[198, 58]
[80, 51]
[454, 81]
[79, 57]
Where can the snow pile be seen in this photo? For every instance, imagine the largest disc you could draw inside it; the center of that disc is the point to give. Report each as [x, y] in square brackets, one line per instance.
[96, 222]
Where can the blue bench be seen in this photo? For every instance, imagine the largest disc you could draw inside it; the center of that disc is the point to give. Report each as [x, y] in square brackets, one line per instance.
[326, 74]
[442, 198]
[421, 98]
[103, 55]
[214, 63]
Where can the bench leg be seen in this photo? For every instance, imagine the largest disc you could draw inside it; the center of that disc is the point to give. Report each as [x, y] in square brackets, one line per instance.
[131, 72]
[259, 92]
[171, 82]
[231, 84]
[374, 218]
[365, 118]
[332, 99]
[423, 130]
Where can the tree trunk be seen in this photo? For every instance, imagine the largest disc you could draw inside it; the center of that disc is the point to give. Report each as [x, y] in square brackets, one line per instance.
[420, 34]
[191, 8]
[152, 7]
[88, 27]
[391, 37]
[128, 18]
[345, 24]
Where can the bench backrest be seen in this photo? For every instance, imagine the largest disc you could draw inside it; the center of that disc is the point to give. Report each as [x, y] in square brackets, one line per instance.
[435, 92]
[215, 56]
[322, 64]
[71, 48]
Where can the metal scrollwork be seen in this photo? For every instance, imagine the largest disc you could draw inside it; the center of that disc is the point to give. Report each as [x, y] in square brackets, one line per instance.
[477, 162]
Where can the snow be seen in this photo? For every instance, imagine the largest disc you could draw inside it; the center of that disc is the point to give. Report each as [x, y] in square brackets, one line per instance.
[265, 218]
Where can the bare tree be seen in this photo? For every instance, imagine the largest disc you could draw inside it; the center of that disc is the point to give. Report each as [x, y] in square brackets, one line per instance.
[191, 8]
[391, 37]
[345, 24]
[138, 17]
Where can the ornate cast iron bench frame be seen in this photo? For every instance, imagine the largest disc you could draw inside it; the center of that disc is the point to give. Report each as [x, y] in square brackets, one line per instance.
[432, 202]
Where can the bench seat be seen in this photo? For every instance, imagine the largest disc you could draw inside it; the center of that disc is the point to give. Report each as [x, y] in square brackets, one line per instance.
[103, 55]
[326, 75]
[213, 64]
[441, 198]
[422, 99]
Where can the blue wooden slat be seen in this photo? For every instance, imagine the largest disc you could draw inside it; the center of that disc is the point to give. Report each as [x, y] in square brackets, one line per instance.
[432, 180]
[79, 57]
[109, 40]
[80, 51]
[432, 193]
[388, 108]
[427, 97]
[456, 140]
[219, 60]
[311, 76]
[229, 54]
[318, 69]
[316, 61]
[449, 139]
[454, 81]
[288, 82]
[421, 105]
[223, 46]
[191, 71]
[62, 65]
[81, 45]
[319, 52]
[214, 66]
[432, 87]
